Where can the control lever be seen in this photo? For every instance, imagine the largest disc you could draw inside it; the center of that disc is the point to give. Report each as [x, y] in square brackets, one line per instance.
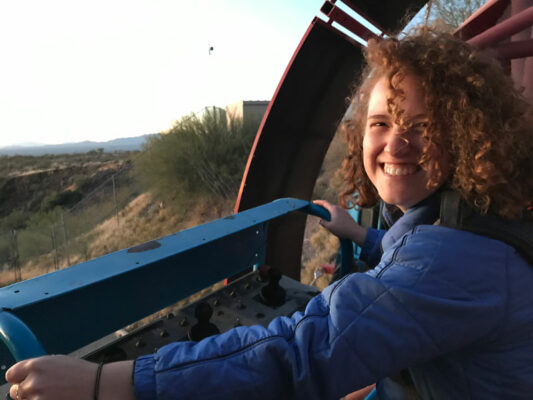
[273, 294]
[204, 327]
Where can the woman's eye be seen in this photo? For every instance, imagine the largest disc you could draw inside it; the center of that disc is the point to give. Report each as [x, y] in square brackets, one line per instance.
[421, 125]
[378, 124]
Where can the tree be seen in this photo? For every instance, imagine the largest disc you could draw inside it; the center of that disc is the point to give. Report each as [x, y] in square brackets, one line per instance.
[452, 12]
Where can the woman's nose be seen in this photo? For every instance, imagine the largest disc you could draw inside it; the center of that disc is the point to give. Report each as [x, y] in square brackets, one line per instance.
[397, 143]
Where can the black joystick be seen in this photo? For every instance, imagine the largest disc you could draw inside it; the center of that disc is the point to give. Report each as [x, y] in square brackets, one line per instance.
[273, 294]
[203, 328]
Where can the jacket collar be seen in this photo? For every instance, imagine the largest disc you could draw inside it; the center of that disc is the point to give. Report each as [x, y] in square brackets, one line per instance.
[424, 213]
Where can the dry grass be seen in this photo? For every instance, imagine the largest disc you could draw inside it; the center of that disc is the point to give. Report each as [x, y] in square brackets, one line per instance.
[143, 219]
[146, 218]
[321, 247]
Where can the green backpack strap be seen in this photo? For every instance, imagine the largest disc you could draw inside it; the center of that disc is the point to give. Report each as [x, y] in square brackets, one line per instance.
[518, 233]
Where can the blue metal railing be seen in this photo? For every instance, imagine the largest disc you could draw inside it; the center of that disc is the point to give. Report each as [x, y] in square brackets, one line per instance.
[64, 310]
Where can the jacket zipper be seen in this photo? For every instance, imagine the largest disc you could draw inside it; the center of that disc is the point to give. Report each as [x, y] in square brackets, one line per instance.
[393, 258]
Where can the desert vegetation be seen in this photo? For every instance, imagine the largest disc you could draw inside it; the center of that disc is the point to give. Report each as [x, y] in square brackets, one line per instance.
[200, 157]
[59, 210]
[45, 214]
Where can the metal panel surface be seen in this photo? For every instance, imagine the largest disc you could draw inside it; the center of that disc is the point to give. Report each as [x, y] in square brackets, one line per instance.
[69, 308]
[388, 15]
[296, 132]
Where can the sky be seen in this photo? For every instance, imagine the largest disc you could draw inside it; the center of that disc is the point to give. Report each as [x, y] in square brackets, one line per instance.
[75, 70]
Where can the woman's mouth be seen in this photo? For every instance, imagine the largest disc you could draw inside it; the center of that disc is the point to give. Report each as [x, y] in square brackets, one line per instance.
[400, 169]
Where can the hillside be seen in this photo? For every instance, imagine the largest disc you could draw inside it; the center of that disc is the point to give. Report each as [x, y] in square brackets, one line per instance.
[144, 218]
[78, 209]
[26, 191]
[122, 144]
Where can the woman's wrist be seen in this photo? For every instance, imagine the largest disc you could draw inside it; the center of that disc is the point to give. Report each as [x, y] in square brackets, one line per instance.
[358, 235]
[115, 381]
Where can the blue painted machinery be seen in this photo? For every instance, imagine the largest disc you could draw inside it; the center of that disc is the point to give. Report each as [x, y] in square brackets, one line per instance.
[65, 310]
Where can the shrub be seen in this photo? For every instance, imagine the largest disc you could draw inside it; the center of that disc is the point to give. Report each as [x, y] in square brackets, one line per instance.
[64, 199]
[199, 156]
[16, 220]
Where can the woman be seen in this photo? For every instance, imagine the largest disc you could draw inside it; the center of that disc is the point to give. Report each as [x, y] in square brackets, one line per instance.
[453, 307]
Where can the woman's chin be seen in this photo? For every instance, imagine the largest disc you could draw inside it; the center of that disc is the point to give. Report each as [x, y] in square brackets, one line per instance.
[404, 199]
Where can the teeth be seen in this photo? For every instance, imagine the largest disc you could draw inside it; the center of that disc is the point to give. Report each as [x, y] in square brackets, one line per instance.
[399, 171]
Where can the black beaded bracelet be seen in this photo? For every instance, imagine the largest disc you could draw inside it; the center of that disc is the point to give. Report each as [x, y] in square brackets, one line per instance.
[97, 380]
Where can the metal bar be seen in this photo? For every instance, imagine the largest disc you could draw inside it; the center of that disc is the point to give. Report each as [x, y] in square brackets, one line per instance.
[527, 80]
[505, 29]
[513, 50]
[18, 338]
[389, 15]
[362, 14]
[485, 16]
[517, 65]
[72, 307]
[337, 15]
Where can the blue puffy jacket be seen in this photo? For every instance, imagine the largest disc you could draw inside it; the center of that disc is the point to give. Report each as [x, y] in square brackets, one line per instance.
[454, 307]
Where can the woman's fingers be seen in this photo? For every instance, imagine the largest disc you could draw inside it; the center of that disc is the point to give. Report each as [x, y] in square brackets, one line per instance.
[14, 392]
[342, 224]
[323, 203]
[328, 206]
[17, 372]
[52, 377]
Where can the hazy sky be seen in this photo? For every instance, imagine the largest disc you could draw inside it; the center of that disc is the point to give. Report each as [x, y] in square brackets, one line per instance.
[95, 70]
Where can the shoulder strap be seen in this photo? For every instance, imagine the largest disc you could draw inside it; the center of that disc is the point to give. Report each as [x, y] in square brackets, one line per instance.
[455, 213]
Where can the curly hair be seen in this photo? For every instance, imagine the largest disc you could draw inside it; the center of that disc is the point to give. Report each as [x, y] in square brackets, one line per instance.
[475, 115]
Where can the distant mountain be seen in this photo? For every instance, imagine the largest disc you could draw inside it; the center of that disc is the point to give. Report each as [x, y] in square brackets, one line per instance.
[122, 144]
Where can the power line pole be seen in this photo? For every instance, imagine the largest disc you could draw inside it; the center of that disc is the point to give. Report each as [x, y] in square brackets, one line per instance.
[115, 197]
[54, 245]
[65, 239]
[15, 258]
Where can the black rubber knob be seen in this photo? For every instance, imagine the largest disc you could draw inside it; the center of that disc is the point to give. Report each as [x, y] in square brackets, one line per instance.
[204, 327]
[273, 294]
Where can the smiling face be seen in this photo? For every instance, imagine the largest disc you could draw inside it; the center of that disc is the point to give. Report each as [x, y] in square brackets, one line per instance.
[391, 154]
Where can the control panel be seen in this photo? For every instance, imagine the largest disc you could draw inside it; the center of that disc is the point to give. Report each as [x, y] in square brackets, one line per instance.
[254, 299]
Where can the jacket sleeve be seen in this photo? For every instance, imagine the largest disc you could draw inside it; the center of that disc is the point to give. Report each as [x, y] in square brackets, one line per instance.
[371, 249]
[416, 305]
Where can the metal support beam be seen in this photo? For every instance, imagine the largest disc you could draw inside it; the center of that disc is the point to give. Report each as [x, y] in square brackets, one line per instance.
[513, 50]
[505, 29]
[486, 16]
[335, 14]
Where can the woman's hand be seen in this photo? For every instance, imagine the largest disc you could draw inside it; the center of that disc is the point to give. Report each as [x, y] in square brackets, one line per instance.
[342, 224]
[68, 378]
